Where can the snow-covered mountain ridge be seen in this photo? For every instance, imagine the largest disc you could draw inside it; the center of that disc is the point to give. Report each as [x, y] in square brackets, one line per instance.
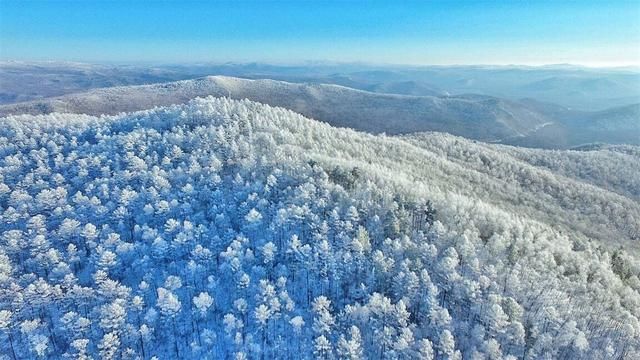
[477, 117]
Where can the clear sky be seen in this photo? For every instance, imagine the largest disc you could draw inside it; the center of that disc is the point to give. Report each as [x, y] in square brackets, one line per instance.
[596, 33]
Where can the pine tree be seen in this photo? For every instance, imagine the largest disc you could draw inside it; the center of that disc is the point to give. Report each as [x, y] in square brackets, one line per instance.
[351, 348]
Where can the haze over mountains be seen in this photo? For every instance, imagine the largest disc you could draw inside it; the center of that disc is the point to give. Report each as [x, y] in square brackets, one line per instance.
[481, 117]
[576, 87]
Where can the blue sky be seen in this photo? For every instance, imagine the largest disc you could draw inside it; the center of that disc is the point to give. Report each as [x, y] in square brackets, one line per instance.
[596, 33]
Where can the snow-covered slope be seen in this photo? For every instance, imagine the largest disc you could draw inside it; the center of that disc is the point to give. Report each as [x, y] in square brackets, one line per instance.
[576, 87]
[619, 125]
[26, 81]
[478, 117]
[225, 228]
[615, 168]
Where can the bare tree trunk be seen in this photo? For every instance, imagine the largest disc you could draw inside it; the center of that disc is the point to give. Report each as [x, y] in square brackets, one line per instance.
[175, 343]
[13, 351]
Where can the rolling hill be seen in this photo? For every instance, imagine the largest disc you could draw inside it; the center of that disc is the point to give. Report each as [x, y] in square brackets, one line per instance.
[620, 125]
[575, 87]
[479, 117]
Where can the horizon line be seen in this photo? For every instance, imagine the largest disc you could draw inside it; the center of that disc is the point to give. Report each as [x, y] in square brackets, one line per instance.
[323, 63]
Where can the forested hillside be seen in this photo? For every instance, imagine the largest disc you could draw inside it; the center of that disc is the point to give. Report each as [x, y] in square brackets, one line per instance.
[232, 229]
[616, 168]
[612, 167]
[575, 188]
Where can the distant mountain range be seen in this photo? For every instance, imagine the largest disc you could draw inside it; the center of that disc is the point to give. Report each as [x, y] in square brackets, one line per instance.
[575, 87]
[526, 122]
